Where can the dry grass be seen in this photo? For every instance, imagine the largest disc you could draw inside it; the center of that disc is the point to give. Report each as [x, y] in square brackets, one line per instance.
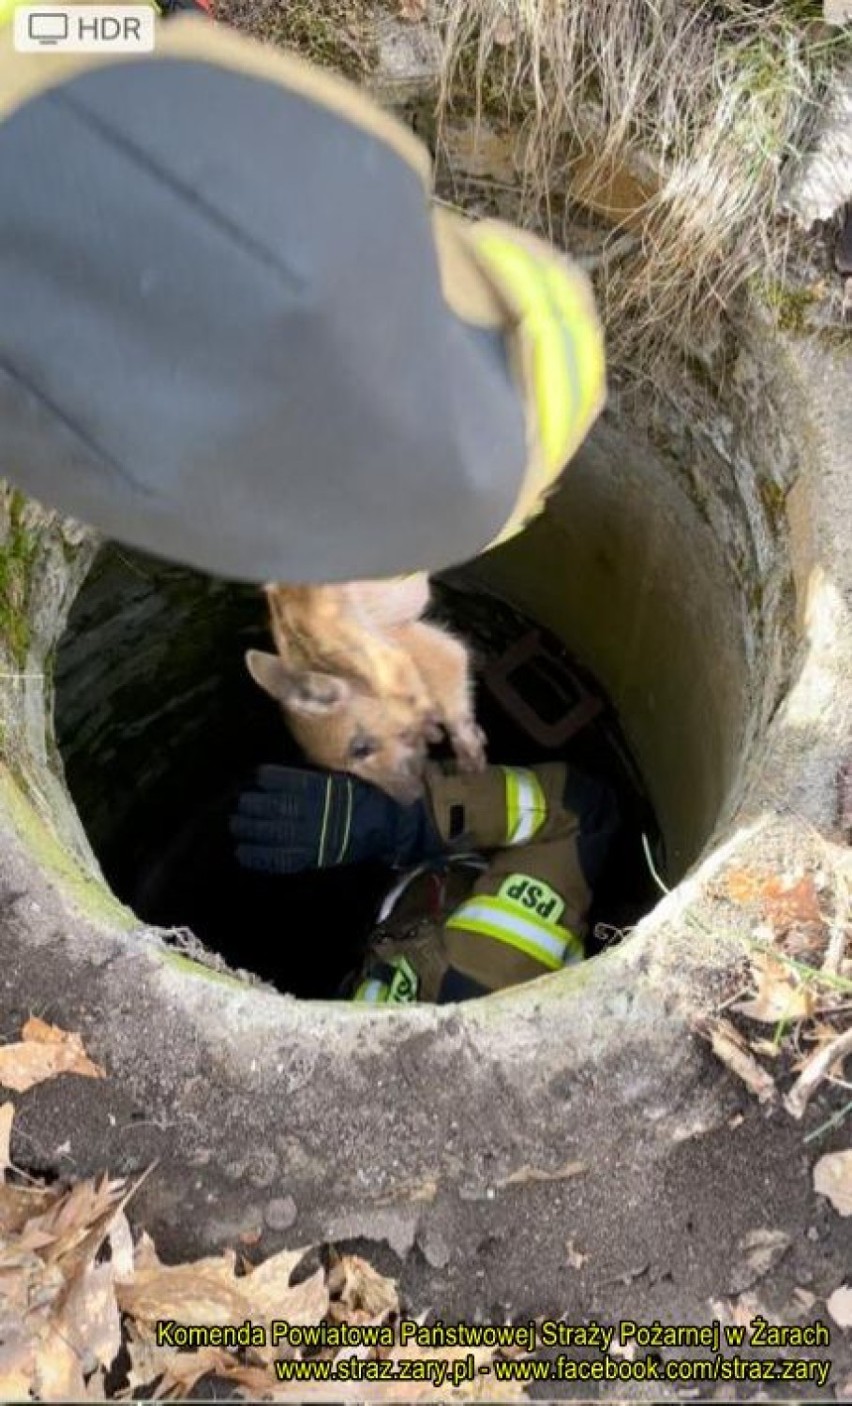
[717, 95]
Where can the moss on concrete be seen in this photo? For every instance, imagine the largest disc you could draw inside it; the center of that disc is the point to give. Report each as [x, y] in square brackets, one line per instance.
[193, 968]
[788, 303]
[17, 555]
[86, 892]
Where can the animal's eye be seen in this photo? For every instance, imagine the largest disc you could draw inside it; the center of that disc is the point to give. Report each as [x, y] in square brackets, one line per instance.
[361, 748]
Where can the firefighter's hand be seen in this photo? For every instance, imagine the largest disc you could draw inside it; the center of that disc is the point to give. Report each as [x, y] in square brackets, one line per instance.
[294, 819]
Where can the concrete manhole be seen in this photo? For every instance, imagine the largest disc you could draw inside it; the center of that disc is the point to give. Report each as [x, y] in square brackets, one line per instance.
[159, 726]
[694, 562]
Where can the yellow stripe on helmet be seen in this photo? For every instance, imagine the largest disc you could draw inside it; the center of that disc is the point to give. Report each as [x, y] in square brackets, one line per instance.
[567, 359]
[520, 274]
[588, 343]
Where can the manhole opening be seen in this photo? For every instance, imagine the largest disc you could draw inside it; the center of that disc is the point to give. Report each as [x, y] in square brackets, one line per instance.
[160, 726]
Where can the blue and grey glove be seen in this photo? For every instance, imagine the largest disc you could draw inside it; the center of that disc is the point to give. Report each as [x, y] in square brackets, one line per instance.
[294, 819]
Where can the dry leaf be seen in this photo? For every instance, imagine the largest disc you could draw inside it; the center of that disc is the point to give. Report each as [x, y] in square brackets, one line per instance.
[785, 900]
[833, 1178]
[58, 1375]
[88, 1318]
[144, 1257]
[267, 1294]
[365, 1292]
[205, 1291]
[792, 901]
[121, 1247]
[413, 10]
[18, 1204]
[780, 994]
[742, 885]
[176, 1372]
[839, 1305]
[17, 1368]
[77, 1223]
[44, 1052]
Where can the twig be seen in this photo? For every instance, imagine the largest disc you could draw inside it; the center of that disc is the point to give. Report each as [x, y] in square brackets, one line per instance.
[729, 1047]
[839, 929]
[796, 1101]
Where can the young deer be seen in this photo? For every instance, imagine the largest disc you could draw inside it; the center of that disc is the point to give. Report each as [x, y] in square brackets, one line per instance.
[365, 684]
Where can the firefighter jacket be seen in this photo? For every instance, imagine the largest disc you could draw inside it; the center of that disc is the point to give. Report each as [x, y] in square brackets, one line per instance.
[466, 931]
[236, 332]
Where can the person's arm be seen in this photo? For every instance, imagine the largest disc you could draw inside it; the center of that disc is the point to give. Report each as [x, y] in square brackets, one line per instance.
[292, 819]
[234, 332]
[549, 829]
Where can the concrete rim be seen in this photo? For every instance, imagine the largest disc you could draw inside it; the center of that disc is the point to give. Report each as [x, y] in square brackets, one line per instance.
[425, 1127]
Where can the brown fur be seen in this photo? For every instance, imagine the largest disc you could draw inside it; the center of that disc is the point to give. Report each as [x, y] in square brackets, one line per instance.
[364, 683]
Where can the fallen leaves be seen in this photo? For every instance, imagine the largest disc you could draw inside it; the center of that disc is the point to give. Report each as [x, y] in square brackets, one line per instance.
[781, 994]
[730, 1047]
[362, 1294]
[43, 1052]
[799, 978]
[60, 1321]
[783, 900]
[204, 1291]
[833, 1178]
[81, 1304]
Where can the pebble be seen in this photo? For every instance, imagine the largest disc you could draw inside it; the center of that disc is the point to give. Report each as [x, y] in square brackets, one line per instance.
[280, 1213]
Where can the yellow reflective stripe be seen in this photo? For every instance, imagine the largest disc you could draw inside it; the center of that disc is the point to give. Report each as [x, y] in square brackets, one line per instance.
[523, 277]
[547, 943]
[372, 990]
[526, 807]
[566, 347]
[588, 344]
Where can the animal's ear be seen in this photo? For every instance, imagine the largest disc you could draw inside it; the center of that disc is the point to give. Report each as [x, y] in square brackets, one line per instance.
[303, 691]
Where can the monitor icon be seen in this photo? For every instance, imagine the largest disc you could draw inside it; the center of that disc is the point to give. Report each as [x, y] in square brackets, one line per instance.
[47, 27]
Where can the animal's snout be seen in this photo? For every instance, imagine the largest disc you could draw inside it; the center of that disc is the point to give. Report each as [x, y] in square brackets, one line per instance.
[430, 727]
[406, 789]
